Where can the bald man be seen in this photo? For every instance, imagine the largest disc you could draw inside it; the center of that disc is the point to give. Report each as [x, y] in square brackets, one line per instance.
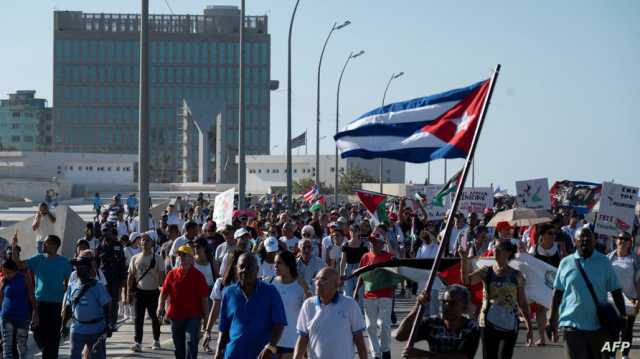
[330, 324]
[252, 315]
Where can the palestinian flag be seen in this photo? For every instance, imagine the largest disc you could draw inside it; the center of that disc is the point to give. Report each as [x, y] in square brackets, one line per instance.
[375, 203]
[450, 186]
[318, 204]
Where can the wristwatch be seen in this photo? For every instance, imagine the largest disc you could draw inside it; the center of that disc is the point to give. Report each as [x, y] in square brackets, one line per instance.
[272, 348]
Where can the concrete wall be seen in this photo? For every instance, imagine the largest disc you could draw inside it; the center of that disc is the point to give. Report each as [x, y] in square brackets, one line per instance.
[34, 189]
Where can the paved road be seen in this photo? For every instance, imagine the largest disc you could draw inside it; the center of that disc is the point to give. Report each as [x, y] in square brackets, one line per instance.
[118, 345]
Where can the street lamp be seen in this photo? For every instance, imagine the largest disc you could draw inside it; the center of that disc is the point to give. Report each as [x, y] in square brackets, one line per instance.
[384, 97]
[143, 124]
[242, 179]
[351, 56]
[333, 28]
[289, 163]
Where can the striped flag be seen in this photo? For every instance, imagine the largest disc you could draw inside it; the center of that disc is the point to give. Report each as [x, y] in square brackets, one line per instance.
[318, 204]
[375, 203]
[312, 194]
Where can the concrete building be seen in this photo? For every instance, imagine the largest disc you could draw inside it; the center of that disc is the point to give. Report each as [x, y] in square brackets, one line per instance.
[74, 168]
[192, 58]
[265, 172]
[25, 123]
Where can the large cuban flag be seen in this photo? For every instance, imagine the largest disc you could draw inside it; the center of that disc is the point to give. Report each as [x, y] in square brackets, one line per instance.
[418, 130]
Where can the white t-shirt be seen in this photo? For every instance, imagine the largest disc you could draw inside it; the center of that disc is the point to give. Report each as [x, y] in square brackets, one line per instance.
[427, 251]
[330, 327]
[46, 228]
[123, 228]
[292, 296]
[292, 243]
[205, 269]
[134, 225]
[266, 270]
[623, 267]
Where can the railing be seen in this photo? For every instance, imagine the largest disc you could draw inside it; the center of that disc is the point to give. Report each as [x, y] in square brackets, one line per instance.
[185, 24]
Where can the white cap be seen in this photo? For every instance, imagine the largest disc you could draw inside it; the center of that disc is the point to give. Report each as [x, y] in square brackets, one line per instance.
[239, 233]
[133, 236]
[271, 244]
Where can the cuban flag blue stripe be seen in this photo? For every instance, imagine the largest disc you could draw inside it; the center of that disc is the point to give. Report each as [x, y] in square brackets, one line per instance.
[402, 119]
[449, 96]
[413, 155]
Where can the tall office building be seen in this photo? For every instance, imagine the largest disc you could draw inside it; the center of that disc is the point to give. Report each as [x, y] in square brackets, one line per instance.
[25, 123]
[192, 58]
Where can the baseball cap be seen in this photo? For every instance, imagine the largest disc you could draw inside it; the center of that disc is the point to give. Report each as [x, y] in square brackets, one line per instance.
[271, 245]
[342, 220]
[239, 233]
[133, 236]
[185, 249]
[503, 225]
[335, 225]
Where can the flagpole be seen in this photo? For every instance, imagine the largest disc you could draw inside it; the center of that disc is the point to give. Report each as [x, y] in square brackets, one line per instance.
[445, 171]
[305, 142]
[429, 172]
[473, 174]
[449, 226]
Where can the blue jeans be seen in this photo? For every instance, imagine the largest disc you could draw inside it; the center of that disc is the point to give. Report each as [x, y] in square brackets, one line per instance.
[14, 332]
[78, 341]
[185, 337]
[350, 285]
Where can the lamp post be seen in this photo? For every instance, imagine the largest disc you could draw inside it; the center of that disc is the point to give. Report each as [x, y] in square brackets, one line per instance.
[289, 163]
[143, 129]
[333, 28]
[384, 97]
[242, 179]
[351, 56]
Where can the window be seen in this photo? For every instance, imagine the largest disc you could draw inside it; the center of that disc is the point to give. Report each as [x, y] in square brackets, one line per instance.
[15, 125]
[332, 169]
[27, 138]
[118, 169]
[70, 168]
[268, 170]
[109, 169]
[15, 138]
[15, 114]
[259, 171]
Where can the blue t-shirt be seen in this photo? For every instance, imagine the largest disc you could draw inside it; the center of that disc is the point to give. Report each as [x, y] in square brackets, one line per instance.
[50, 275]
[577, 308]
[249, 321]
[89, 308]
[15, 300]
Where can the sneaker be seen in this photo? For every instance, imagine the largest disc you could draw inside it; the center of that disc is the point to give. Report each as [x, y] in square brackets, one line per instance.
[136, 347]
[156, 345]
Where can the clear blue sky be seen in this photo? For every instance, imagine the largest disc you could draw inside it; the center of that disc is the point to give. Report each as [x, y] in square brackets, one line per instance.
[563, 106]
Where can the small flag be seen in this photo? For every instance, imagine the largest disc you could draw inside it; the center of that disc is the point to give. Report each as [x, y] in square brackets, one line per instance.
[450, 186]
[299, 141]
[318, 204]
[311, 195]
[375, 203]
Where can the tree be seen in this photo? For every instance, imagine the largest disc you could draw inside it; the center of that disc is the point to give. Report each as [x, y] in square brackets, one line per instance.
[353, 179]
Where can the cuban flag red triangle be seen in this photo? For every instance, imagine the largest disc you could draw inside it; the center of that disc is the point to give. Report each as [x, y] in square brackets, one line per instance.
[455, 128]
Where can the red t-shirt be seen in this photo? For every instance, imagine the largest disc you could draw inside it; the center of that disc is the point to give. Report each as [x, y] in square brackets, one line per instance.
[368, 259]
[185, 292]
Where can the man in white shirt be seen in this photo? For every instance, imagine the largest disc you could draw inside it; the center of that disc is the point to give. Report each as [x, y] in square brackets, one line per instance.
[189, 236]
[309, 264]
[43, 225]
[173, 217]
[289, 238]
[330, 324]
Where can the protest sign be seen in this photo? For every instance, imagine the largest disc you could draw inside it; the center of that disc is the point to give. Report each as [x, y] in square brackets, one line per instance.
[223, 208]
[475, 200]
[434, 210]
[579, 195]
[616, 209]
[533, 193]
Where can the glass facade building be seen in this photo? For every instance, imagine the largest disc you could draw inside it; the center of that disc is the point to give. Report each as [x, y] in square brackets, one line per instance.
[25, 123]
[96, 81]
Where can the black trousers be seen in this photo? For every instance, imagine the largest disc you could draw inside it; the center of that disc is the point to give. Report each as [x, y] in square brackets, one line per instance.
[497, 344]
[627, 333]
[147, 300]
[114, 290]
[584, 344]
[48, 329]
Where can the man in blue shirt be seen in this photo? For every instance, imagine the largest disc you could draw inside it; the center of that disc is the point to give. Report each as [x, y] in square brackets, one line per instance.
[132, 205]
[87, 303]
[573, 307]
[51, 273]
[252, 315]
